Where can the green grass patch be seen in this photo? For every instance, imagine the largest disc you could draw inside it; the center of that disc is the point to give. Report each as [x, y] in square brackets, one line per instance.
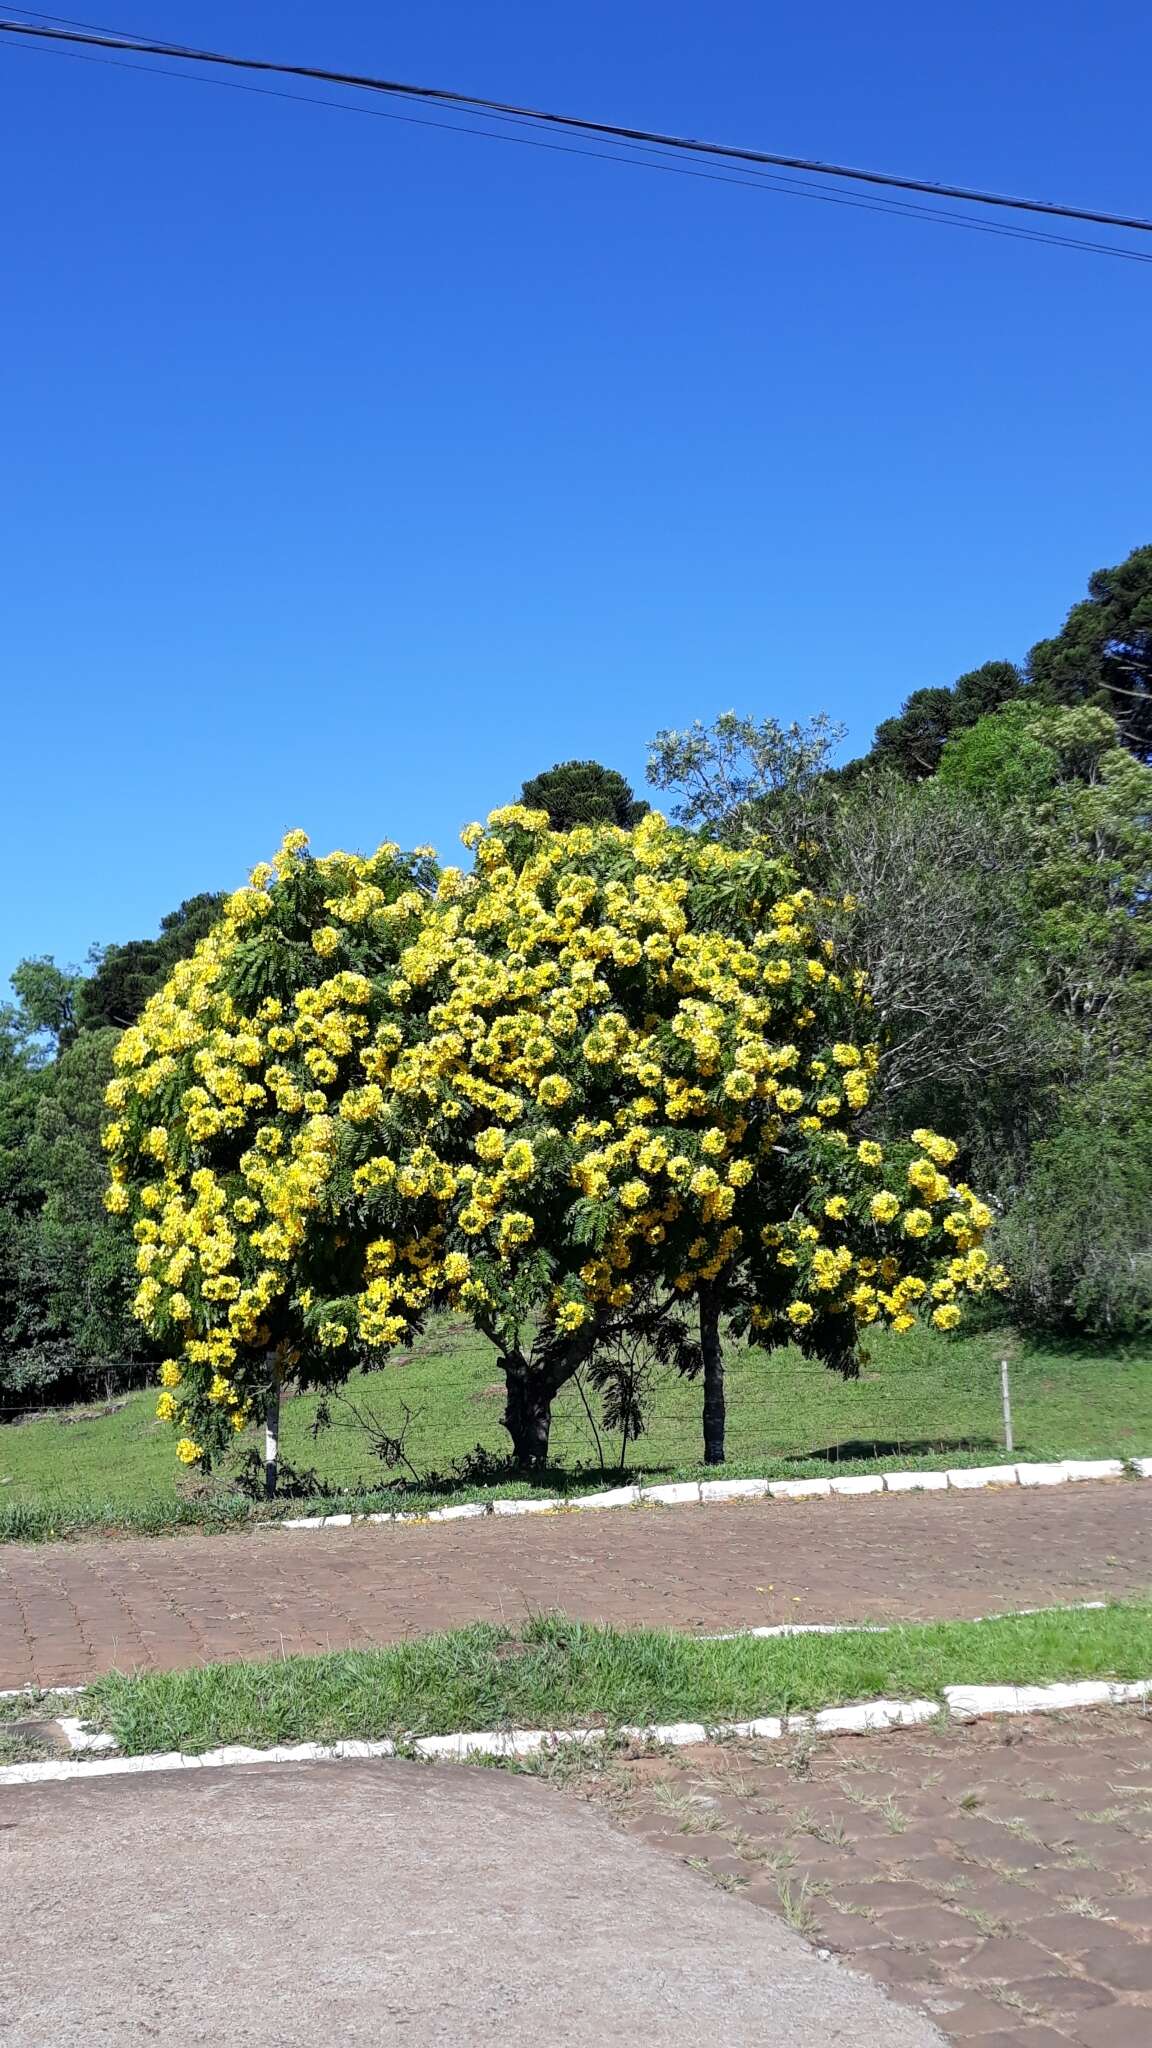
[555, 1673]
[924, 1400]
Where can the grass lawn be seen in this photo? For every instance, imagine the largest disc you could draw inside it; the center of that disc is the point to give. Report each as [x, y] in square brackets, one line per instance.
[925, 1399]
[555, 1673]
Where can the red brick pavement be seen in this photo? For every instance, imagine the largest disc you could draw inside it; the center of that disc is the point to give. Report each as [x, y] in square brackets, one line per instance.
[69, 1611]
[998, 1876]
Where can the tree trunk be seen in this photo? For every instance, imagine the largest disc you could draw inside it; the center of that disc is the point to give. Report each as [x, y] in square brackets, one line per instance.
[712, 1353]
[528, 1416]
[272, 1433]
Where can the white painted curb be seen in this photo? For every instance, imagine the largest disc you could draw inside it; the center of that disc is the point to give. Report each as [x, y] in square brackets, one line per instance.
[869, 1717]
[974, 1702]
[704, 1492]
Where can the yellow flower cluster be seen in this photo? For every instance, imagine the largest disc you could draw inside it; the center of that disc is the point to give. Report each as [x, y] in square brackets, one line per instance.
[224, 1134]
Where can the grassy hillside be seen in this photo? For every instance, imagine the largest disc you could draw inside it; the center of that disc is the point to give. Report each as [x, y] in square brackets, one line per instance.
[925, 1399]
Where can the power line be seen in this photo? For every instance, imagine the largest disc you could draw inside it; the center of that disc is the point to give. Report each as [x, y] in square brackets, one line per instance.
[746, 176]
[577, 124]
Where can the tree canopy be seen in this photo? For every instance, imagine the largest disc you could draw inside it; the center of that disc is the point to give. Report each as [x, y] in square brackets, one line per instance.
[608, 1072]
[123, 977]
[583, 793]
[1102, 656]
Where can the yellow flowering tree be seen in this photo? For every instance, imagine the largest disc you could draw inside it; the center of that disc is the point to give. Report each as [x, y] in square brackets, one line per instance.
[224, 1143]
[606, 1078]
[620, 1076]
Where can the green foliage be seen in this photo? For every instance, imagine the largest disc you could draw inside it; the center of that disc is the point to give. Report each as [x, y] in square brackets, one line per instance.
[65, 1265]
[912, 743]
[1103, 652]
[1102, 656]
[125, 976]
[1079, 1236]
[748, 778]
[1081, 808]
[45, 1016]
[914, 740]
[583, 793]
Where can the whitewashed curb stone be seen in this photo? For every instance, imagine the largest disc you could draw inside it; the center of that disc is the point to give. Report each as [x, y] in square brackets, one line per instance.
[982, 1475]
[973, 1702]
[871, 1718]
[673, 1734]
[677, 1493]
[81, 1736]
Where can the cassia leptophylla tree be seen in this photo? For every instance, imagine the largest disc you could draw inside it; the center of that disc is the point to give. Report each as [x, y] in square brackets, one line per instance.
[224, 1138]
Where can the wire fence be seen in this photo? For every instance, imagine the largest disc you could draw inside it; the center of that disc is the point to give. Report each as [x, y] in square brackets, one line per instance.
[435, 1418]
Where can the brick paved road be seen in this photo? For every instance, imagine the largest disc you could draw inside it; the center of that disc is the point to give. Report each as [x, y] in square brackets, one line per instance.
[69, 1611]
[997, 1876]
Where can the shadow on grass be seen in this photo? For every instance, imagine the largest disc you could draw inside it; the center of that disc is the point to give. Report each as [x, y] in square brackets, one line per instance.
[902, 1447]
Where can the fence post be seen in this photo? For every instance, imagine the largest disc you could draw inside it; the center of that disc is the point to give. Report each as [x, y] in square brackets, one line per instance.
[1006, 1400]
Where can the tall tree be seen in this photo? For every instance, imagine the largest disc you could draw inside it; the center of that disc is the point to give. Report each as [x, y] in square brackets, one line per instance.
[912, 742]
[749, 779]
[583, 793]
[46, 1005]
[1080, 806]
[124, 976]
[1103, 652]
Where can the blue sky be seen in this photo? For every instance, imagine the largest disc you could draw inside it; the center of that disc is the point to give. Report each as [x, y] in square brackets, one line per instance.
[353, 471]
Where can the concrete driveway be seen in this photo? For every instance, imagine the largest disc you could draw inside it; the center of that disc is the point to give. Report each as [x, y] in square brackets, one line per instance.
[299, 1905]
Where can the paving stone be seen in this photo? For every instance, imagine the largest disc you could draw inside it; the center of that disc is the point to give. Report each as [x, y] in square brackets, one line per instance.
[1126, 1966]
[1057, 1880]
[726, 1864]
[1036, 2036]
[1121, 2026]
[1131, 1912]
[930, 1923]
[897, 1967]
[1071, 1934]
[845, 1932]
[883, 1894]
[895, 1847]
[987, 1893]
[1003, 1959]
[688, 1844]
[969, 2018]
[1064, 1994]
